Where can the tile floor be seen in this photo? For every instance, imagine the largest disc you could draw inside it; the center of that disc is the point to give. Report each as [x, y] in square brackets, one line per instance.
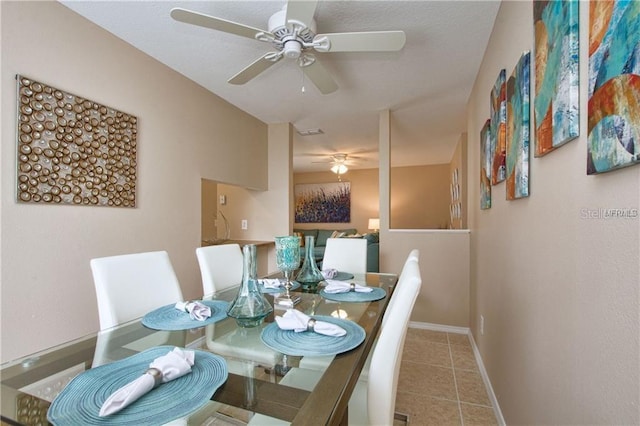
[440, 383]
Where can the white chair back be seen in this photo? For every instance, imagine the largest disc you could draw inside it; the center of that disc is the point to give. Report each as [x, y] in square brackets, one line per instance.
[414, 257]
[128, 286]
[382, 383]
[346, 255]
[220, 267]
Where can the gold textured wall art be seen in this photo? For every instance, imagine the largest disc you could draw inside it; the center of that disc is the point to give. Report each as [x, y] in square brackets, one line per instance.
[72, 150]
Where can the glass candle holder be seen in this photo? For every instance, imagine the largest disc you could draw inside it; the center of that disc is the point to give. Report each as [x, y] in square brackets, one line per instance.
[287, 261]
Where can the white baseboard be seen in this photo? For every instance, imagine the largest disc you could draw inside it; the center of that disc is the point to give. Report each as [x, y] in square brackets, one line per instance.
[487, 383]
[476, 353]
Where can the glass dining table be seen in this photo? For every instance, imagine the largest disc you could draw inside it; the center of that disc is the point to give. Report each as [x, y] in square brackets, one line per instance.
[29, 384]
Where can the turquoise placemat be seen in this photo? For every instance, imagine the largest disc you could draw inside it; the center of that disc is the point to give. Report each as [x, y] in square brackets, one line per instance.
[355, 296]
[309, 343]
[80, 401]
[342, 276]
[169, 318]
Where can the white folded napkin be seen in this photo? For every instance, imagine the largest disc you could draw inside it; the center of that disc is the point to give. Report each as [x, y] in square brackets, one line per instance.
[270, 282]
[334, 286]
[299, 322]
[197, 311]
[329, 273]
[174, 364]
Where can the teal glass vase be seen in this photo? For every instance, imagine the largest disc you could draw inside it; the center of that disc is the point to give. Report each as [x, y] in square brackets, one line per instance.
[250, 307]
[309, 275]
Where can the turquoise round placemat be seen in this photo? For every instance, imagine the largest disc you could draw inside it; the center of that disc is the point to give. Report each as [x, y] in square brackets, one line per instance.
[309, 343]
[169, 318]
[354, 296]
[295, 284]
[80, 401]
[342, 276]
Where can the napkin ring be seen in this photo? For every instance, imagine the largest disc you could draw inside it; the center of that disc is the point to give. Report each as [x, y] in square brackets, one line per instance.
[185, 307]
[311, 324]
[156, 374]
[352, 286]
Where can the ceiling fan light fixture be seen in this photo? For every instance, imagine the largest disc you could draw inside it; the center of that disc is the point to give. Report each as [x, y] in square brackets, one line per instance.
[339, 169]
[292, 49]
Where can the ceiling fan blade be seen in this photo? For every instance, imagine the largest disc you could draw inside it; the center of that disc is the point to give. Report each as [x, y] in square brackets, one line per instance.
[370, 41]
[258, 66]
[301, 11]
[320, 77]
[207, 21]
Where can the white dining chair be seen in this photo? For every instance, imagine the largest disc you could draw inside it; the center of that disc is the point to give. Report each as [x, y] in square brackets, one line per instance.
[373, 400]
[346, 255]
[131, 285]
[220, 267]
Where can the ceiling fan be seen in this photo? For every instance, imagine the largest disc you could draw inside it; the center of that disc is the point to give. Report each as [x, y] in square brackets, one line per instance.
[339, 161]
[337, 158]
[292, 33]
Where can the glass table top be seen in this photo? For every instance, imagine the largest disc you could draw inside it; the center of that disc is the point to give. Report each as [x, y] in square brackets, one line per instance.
[30, 384]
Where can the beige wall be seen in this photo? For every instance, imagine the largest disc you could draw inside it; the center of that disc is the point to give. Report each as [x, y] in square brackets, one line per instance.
[444, 266]
[444, 254]
[185, 134]
[420, 197]
[265, 211]
[209, 223]
[559, 292]
[364, 197]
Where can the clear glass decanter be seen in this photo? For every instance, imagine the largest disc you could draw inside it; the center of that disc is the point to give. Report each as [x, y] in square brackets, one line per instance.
[250, 307]
[309, 275]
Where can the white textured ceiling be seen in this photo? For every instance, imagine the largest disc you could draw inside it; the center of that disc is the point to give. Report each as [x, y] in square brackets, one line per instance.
[426, 85]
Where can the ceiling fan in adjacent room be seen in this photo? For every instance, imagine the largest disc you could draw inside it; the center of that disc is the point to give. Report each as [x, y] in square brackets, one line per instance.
[339, 163]
[292, 33]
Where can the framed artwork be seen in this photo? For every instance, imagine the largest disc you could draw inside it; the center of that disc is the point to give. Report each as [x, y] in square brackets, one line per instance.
[498, 139]
[613, 126]
[518, 86]
[485, 167]
[557, 75]
[72, 150]
[323, 202]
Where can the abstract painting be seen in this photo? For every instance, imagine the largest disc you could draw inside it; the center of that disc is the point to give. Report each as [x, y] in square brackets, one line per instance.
[72, 150]
[557, 82]
[614, 85]
[518, 87]
[498, 110]
[485, 167]
[323, 202]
